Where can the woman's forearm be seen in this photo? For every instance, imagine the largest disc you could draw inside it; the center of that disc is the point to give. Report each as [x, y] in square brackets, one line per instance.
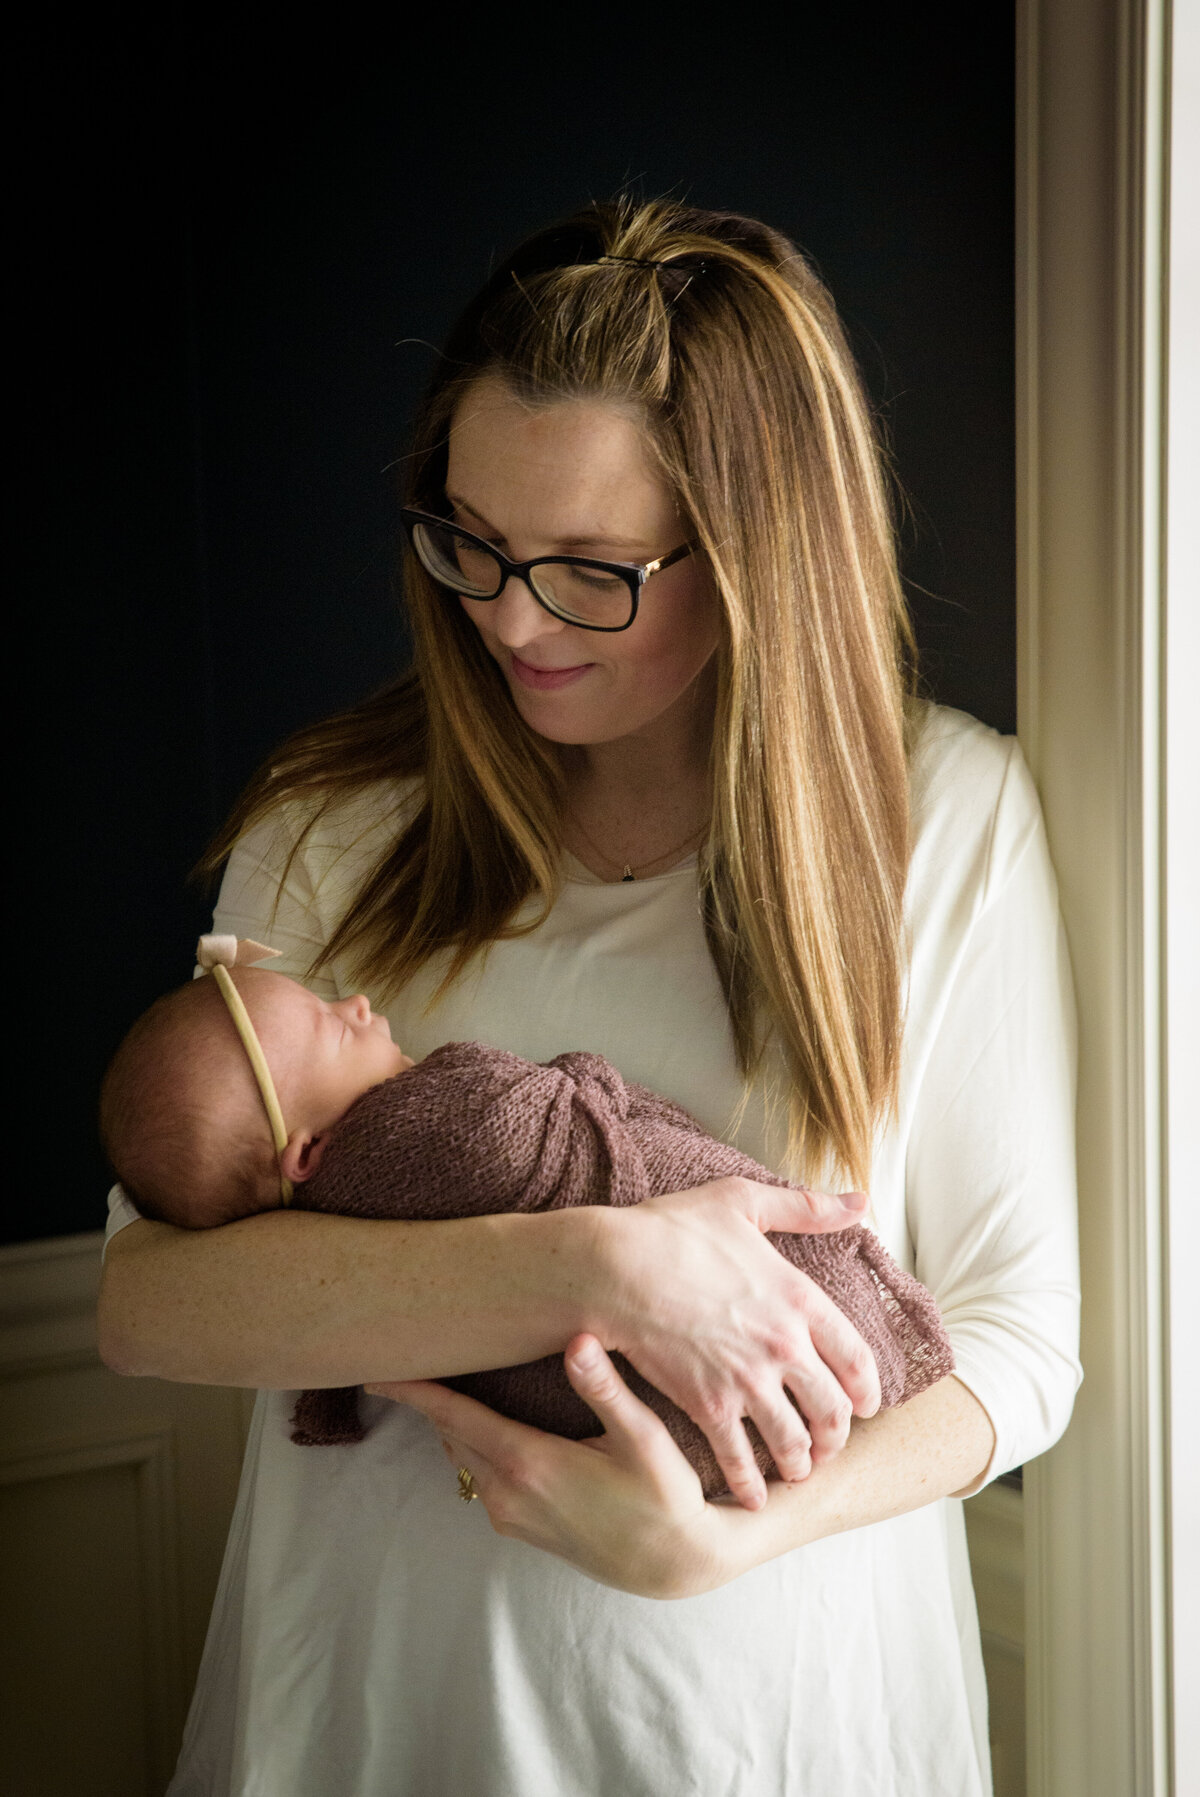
[687, 1286]
[296, 1299]
[935, 1446]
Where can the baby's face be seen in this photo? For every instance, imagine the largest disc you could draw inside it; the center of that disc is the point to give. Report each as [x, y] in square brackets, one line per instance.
[322, 1055]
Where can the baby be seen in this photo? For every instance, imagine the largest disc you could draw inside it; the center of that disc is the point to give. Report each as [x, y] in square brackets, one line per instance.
[470, 1131]
[181, 1119]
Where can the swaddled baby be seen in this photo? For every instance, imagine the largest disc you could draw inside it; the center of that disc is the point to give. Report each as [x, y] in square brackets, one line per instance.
[470, 1131]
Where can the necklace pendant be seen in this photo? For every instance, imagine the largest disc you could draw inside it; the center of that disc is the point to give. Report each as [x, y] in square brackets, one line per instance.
[628, 873]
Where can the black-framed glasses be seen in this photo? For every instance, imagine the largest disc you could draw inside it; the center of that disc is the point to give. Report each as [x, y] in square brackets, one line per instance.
[595, 595]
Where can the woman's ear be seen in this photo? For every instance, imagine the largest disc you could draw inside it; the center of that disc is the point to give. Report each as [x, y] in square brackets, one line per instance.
[302, 1156]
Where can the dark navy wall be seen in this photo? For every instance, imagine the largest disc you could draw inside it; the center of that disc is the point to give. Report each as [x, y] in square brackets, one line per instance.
[236, 254]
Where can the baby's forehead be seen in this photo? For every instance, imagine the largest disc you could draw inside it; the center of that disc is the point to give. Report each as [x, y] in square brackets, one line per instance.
[276, 992]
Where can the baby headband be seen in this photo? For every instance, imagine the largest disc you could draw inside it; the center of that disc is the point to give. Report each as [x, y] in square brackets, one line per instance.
[217, 954]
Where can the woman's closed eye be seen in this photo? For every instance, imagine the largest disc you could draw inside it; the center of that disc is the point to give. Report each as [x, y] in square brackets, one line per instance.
[595, 579]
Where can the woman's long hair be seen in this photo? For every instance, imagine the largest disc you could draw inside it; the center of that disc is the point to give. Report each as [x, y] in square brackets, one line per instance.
[733, 357]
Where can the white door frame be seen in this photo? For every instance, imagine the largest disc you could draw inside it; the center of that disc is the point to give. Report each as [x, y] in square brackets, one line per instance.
[1109, 1635]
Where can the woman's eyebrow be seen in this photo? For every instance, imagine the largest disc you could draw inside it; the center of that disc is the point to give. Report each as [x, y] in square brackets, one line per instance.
[462, 505]
[580, 542]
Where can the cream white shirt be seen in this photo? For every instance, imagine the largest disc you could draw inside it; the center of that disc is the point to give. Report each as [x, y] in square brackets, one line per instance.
[372, 1637]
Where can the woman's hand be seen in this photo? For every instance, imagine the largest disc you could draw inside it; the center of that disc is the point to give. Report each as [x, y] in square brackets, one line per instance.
[711, 1314]
[624, 1507]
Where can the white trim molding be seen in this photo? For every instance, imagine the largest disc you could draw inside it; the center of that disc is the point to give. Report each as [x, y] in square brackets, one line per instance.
[1180, 749]
[48, 1303]
[1093, 201]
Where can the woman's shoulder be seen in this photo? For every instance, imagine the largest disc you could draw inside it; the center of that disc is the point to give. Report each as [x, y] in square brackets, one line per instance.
[295, 871]
[974, 806]
[325, 832]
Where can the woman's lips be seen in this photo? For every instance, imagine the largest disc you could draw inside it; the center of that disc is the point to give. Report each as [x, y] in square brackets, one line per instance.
[547, 680]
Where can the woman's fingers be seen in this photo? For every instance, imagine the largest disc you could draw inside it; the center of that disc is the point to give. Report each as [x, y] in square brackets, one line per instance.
[796, 1210]
[727, 1327]
[482, 1474]
[625, 1507]
[794, 1448]
[484, 1431]
[599, 1384]
[785, 1210]
[735, 1457]
[603, 1390]
[782, 1429]
[631, 1428]
[826, 1410]
[847, 1357]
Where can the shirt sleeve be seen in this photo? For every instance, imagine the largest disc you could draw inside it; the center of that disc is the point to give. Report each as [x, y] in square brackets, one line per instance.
[121, 1212]
[991, 1156]
[272, 895]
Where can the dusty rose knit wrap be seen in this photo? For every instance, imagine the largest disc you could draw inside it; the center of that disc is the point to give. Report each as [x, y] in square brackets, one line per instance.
[473, 1131]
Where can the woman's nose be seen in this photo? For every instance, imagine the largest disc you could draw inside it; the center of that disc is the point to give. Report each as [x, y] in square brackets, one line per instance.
[516, 617]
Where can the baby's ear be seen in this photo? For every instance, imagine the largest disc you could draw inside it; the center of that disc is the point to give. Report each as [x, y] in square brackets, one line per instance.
[302, 1156]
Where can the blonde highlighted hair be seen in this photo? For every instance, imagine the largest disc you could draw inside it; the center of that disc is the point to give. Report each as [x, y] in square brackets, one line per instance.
[720, 336]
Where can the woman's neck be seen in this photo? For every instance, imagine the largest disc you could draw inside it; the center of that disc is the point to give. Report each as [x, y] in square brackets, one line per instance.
[672, 749]
[642, 801]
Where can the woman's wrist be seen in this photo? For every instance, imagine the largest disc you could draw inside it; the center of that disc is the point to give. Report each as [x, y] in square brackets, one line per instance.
[594, 1265]
[725, 1542]
[896, 1462]
[560, 1268]
[714, 1547]
[933, 1447]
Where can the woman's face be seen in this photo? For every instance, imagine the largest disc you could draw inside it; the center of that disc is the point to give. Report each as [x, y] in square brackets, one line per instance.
[575, 477]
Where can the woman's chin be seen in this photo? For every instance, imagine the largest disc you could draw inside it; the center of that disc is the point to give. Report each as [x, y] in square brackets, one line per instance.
[554, 716]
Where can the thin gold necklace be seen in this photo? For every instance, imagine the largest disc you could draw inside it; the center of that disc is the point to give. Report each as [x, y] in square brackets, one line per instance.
[627, 871]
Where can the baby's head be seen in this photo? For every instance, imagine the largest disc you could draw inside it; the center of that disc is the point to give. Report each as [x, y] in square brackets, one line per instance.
[181, 1116]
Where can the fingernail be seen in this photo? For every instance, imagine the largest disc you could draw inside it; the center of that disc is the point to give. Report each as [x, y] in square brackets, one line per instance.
[587, 1357]
[854, 1202]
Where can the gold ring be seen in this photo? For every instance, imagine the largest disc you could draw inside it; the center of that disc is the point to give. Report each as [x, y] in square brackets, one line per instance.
[466, 1486]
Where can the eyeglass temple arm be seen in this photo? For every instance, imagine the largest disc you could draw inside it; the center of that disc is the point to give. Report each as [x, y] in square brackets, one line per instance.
[667, 561]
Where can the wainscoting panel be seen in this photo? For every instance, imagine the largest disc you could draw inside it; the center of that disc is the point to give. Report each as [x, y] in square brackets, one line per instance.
[115, 1497]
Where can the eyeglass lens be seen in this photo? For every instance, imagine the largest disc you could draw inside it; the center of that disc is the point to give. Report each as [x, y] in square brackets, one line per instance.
[578, 595]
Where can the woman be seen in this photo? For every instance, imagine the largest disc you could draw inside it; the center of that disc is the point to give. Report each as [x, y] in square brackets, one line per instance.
[654, 788]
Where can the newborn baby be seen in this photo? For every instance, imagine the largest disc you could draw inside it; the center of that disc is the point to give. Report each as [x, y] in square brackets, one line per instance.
[470, 1131]
[182, 1122]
